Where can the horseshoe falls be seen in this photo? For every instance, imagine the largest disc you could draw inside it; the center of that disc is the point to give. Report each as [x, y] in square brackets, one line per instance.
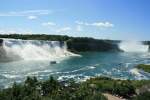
[133, 46]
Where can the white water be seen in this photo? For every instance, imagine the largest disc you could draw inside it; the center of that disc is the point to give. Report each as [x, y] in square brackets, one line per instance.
[35, 49]
[133, 46]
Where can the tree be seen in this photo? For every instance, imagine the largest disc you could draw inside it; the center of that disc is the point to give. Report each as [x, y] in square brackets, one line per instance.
[49, 86]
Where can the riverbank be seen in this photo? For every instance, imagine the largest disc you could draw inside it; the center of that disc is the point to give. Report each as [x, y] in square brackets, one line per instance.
[92, 89]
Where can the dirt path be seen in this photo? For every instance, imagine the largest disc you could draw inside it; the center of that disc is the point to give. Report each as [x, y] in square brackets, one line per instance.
[111, 97]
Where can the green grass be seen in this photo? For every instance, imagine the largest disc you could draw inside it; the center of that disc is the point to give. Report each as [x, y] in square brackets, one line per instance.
[144, 67]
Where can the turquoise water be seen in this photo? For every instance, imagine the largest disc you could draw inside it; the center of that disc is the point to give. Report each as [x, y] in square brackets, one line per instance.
[90, 64]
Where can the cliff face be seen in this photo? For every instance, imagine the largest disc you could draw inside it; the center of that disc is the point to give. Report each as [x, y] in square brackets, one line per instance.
[1, 42]
[4, 56]
[147, 43]
[86, 44]
[2, 51]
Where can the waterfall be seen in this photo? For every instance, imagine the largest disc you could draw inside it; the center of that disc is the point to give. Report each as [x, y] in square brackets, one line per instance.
[34, 49]
[133, 46]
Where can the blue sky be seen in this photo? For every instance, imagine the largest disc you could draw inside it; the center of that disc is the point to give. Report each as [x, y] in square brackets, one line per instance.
[103, 19]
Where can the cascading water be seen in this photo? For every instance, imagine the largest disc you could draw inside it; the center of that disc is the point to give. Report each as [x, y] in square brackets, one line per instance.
[133, 46]
[35, 59]
[34, 49]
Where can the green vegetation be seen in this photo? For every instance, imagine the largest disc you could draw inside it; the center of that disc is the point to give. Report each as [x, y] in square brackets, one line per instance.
[36, 37]
[50, 90]
[121, 88]
[90, 44]
[75, 44]
[144, 67]
[144, 96]
[32, 89]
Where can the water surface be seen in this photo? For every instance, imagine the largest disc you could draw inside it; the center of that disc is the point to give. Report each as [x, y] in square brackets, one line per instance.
[90, 64]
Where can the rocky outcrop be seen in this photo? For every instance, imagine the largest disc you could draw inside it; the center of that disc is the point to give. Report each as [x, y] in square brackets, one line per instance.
[4, 57]
[2, 51]
[147, 43]
[1, 42]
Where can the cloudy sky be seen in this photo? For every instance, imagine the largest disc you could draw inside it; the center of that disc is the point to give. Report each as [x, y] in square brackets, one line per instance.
[104, 19]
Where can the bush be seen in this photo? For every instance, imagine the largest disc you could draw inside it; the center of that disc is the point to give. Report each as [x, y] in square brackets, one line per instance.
[51, 89]
[144, 67]
[144, 96]
[124, 89]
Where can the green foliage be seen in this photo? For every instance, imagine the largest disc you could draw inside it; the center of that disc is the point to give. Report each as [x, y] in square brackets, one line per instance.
[88, 92]
[51, 89]
[123, 88]
[144, 67]
[139, 83]
[144, 96]
[36, 37]
[49, 86]
[89, 44]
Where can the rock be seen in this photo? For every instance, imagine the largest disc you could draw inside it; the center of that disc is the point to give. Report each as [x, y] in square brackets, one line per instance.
[1, 42]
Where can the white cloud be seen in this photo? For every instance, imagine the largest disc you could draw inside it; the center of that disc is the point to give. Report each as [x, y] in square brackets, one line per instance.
[32, 17]
[2, 32]
[79, 28]
[48, 24]
[7, 31]
[96, 24]
[103, 24]
[26, 13]
[79, 22]
[64, 29]
[16, 31]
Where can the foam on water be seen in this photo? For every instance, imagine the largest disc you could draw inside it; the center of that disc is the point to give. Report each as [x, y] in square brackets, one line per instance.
[137, 74]
[77, 77]
[92, 67]
[10, 76]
